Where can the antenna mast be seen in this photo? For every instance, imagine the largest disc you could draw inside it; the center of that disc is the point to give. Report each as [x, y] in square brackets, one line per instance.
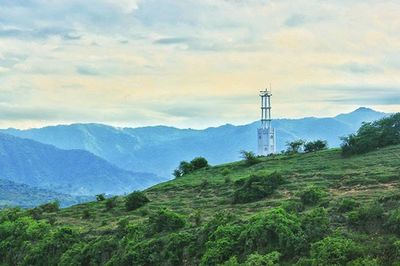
[266, 134]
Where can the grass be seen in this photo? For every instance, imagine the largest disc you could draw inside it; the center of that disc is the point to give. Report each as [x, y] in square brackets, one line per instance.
[366, 177]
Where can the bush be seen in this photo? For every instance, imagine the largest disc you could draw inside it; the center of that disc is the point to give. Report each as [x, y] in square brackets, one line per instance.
[316, 145]
[50, 207]
[86, 214]
[371, 136]
[198, 163]
[347, 204]
[312, 195]
[100, 197]
[334, 251]
[294, 146]
[315, 224]
[367, 217]
[272, 230]
[166, 220]
[186, 167]
[393, 222]
[222, 244]
[256, 187]
[135, 200]
[111, 203]
[249, 157]
[270, 259]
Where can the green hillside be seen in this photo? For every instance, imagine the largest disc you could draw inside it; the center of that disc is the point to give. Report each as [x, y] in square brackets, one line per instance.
[329, 210]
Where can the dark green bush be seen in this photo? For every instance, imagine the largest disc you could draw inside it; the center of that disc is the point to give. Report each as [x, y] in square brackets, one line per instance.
[110, 203]
[256, 187]
[198, 163]
[317, 145]
[347, 204]
[100, 197]
[273, 230]
[315, 224]
[294, 146]
[166, 220]
[312, 195]
[393, 222]
[135, 200]
[50, 207]
[249, 157]
[367, 217]
[186, 167]
[334, 251]
[86, 214]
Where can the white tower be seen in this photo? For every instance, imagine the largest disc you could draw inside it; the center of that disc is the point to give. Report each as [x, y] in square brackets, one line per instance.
[266, 134]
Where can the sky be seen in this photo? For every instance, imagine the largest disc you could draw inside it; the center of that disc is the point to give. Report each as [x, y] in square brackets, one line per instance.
[194, 63]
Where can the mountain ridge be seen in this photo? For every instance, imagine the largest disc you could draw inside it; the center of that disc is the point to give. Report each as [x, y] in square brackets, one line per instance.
[159, 149]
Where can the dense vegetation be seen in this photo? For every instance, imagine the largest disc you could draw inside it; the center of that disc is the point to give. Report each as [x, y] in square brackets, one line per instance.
[373, 135]
[316, 208]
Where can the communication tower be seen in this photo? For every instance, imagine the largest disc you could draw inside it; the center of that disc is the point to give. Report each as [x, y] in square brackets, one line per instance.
[266, 133]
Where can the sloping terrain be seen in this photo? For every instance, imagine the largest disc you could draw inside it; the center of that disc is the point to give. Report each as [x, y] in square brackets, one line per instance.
[159, 149]
[75, 172]
[24, 196]
[328, 210]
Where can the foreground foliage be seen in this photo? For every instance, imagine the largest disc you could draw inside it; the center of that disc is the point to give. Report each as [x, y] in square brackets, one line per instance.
[298, 209]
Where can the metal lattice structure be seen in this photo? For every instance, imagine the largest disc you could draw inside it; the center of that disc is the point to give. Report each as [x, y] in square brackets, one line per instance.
[266, 133]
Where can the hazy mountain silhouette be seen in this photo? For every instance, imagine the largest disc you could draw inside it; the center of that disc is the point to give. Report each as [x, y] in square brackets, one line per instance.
[75, 172]
[159, 149]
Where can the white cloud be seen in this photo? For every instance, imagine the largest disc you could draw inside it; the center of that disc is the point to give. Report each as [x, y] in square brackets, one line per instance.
[102, 56]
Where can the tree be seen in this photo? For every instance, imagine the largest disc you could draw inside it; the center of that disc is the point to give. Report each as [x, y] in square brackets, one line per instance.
[100, 197]
[249, 157]
[256, 187]
[374, 135]
[315, 224]
[316, 145]
[111, 203]
[294, 146]
[311, 195]
[334, 251]
[273, 230]
[198, 163]
[185, 167]
[166, 220]
[135, 200]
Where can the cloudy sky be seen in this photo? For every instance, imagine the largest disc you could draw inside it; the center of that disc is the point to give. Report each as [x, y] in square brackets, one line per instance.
[194, 63]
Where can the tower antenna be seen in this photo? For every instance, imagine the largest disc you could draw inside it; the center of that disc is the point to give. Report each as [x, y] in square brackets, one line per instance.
[266, 133]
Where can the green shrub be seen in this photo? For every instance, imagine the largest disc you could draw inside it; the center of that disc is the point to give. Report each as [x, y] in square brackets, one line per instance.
[86, 214]
[100, 197]
[270, 259]
[166, 220]
[110, 203]
[347, 204]
[393, 222]
[222, 244]
[256, 187]
[334, 251]
[367, 217]
[50, 207]
[312, 195]
[135, 200]
[249, 157]
[317, 145]
[273, 230]
[198, 163]
[315, 224]
[294, 146]
[186, 167]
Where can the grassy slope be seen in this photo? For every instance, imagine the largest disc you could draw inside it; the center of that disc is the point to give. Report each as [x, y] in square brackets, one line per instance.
[365, 177]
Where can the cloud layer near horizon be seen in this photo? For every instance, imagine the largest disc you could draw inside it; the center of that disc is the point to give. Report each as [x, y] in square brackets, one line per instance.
[194, 63]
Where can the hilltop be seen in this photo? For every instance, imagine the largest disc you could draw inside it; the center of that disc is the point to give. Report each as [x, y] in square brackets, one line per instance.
[325, 200]
[158, 149]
